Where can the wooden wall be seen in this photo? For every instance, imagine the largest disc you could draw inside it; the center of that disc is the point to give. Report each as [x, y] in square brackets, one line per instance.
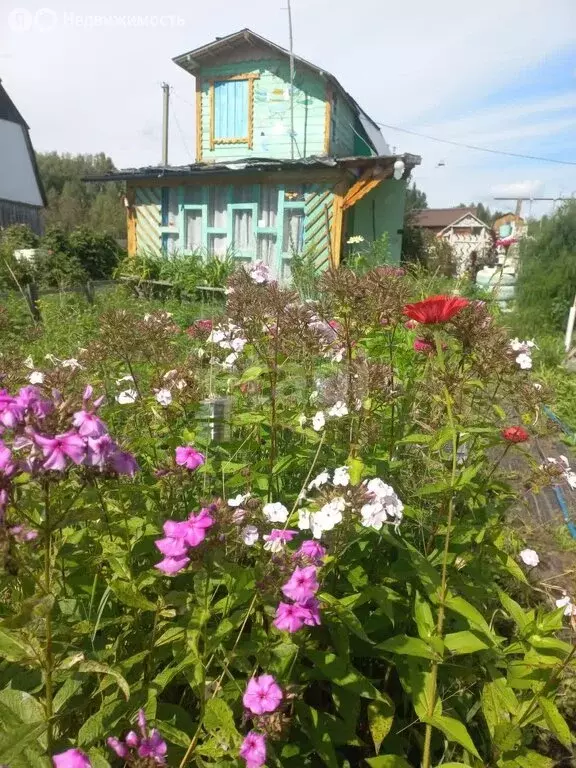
[271, 113]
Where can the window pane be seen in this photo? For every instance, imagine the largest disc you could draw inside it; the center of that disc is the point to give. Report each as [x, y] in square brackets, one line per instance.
[217, 205]
[193, 221]
[243, 230]
[266, 250]
[217, 245]
[231, 109]
[268, 205]
[293, 231]
[244, 194]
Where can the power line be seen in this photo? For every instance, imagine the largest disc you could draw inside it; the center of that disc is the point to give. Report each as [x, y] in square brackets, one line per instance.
[472, 146]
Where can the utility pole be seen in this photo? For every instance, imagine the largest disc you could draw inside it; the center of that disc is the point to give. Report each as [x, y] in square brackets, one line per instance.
[165, 119]
[291, 79]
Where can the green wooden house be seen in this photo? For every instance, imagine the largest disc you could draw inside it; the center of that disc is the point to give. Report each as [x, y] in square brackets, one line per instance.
[287, 162]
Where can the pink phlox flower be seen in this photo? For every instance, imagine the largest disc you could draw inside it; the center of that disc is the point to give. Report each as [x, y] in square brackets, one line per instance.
[88, 424]
[23, 534]
[11, 413]
[153, 746]
[30, 399]
[132, 739]
[312, 550]
[197, 526]
[253, 750]
[57, 449]
[290, 617]
[171, 547]
[302, 585]
[7, 464]
[277, 538]
[189, 457]
[172, 565]
[118, 747]
[72, 758]
[422, 345]
[312, 607]
[98, 450]
[123, 463]
[262, 694]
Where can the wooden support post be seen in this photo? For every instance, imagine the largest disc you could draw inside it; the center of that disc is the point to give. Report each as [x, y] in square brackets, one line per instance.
[337, 221]
[31, 294]
[88, 288]
[131, 235]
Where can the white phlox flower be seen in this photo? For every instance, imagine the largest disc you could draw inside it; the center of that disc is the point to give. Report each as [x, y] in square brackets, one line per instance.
[164, 397]
[318, 421]
[29, 363]
[524, 361]
[275, 512]
[566, 602]
[341, 476]
[36, 377]
[238, 500]
[304, 519]
[327, 517]
[384, 506]
[319, 480]
[529, 557]
[127, 397]
[338, 410]
[301, 419]
[259, 272]
[250, 535]
[355, 239]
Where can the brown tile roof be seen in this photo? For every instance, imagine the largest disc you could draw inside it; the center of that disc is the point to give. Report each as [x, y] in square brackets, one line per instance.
[439, 217]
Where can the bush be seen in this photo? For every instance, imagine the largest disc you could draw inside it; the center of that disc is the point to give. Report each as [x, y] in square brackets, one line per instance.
[547, 274]
[283, 532]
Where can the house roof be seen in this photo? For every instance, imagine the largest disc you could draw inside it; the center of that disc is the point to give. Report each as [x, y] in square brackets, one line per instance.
[9, 113]
[8, 109]
[258, 164]
[192, 60]
[439, 218]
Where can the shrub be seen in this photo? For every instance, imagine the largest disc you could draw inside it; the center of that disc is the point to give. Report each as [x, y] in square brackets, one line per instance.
[281, 537]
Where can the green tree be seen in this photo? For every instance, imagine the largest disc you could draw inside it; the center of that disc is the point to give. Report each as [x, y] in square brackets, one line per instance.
[547, 275]
[73, 202]
[415, 199]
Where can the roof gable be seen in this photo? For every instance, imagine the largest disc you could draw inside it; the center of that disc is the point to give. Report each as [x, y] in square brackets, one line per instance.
[468, 220]
[8, 109]
[228, 48]
[439, 218]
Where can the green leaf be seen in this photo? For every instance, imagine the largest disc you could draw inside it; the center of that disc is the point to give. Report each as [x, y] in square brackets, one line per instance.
[104, 669]
[507, 736]
[219, 717]
[346, 616]
[464, 642]
[408, 646]
[454, 730]
[380, 719]
[251, 374]
[23, 705]
[71, 686]
[173, 735]
[13, 743]
[315, 726]
[356, 470]
[420, 438]
[341, 673]
[464, 608]
[498, 703]
[555, 721]
[423, 616]
[514, 610]
[12, 648]
[130, 595]
[388, 761]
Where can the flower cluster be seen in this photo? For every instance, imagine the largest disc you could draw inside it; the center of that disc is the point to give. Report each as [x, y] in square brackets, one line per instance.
[435, 309]
[515, 434]
[200, 329]
[563, 465]
[229, 337]
[182, 536]
[261, 698]
[189, 457]
[304, 609]
[42, 435]
[148, 745]
[259, 272]
[523, 353]
[383, 506]
[72, 758]
[566, 602]
[530, 557]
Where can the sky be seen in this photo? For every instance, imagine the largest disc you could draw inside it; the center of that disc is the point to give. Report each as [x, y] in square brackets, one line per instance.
[87, 76]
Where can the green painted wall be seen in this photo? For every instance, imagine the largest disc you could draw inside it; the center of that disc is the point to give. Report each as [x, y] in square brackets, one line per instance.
[382, 210]
[271, 135]
[341, 130]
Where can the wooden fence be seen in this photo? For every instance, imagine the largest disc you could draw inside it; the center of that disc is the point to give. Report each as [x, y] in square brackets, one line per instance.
[141, 288]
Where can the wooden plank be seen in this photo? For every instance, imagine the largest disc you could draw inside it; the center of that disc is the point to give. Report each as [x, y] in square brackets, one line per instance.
[327, 119]
[358, 191]
[212, 126]
[303, 176]
[198, 119]
[337, 222]
[251, 113]
[131, 235]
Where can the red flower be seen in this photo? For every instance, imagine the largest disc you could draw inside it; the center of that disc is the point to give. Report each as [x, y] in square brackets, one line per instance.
[435, 309]
[515, 434]
[422, 345]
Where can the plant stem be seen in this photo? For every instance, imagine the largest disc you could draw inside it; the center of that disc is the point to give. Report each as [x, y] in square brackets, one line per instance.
[49, 655]
[426, 756]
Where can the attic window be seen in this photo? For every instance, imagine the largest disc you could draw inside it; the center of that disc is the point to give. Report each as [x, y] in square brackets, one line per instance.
[231, 108]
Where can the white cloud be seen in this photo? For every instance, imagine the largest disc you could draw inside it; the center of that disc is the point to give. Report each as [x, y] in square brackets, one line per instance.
[517, 189]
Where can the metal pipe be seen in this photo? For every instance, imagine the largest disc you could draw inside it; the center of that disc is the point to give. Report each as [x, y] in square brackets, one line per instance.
[165, 119]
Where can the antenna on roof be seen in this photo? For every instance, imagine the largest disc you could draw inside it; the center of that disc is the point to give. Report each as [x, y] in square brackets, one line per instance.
[291, 79]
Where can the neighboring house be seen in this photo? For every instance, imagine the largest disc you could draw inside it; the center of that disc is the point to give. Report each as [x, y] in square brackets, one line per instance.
[283, 167]
[461, 228]
[21, 193]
